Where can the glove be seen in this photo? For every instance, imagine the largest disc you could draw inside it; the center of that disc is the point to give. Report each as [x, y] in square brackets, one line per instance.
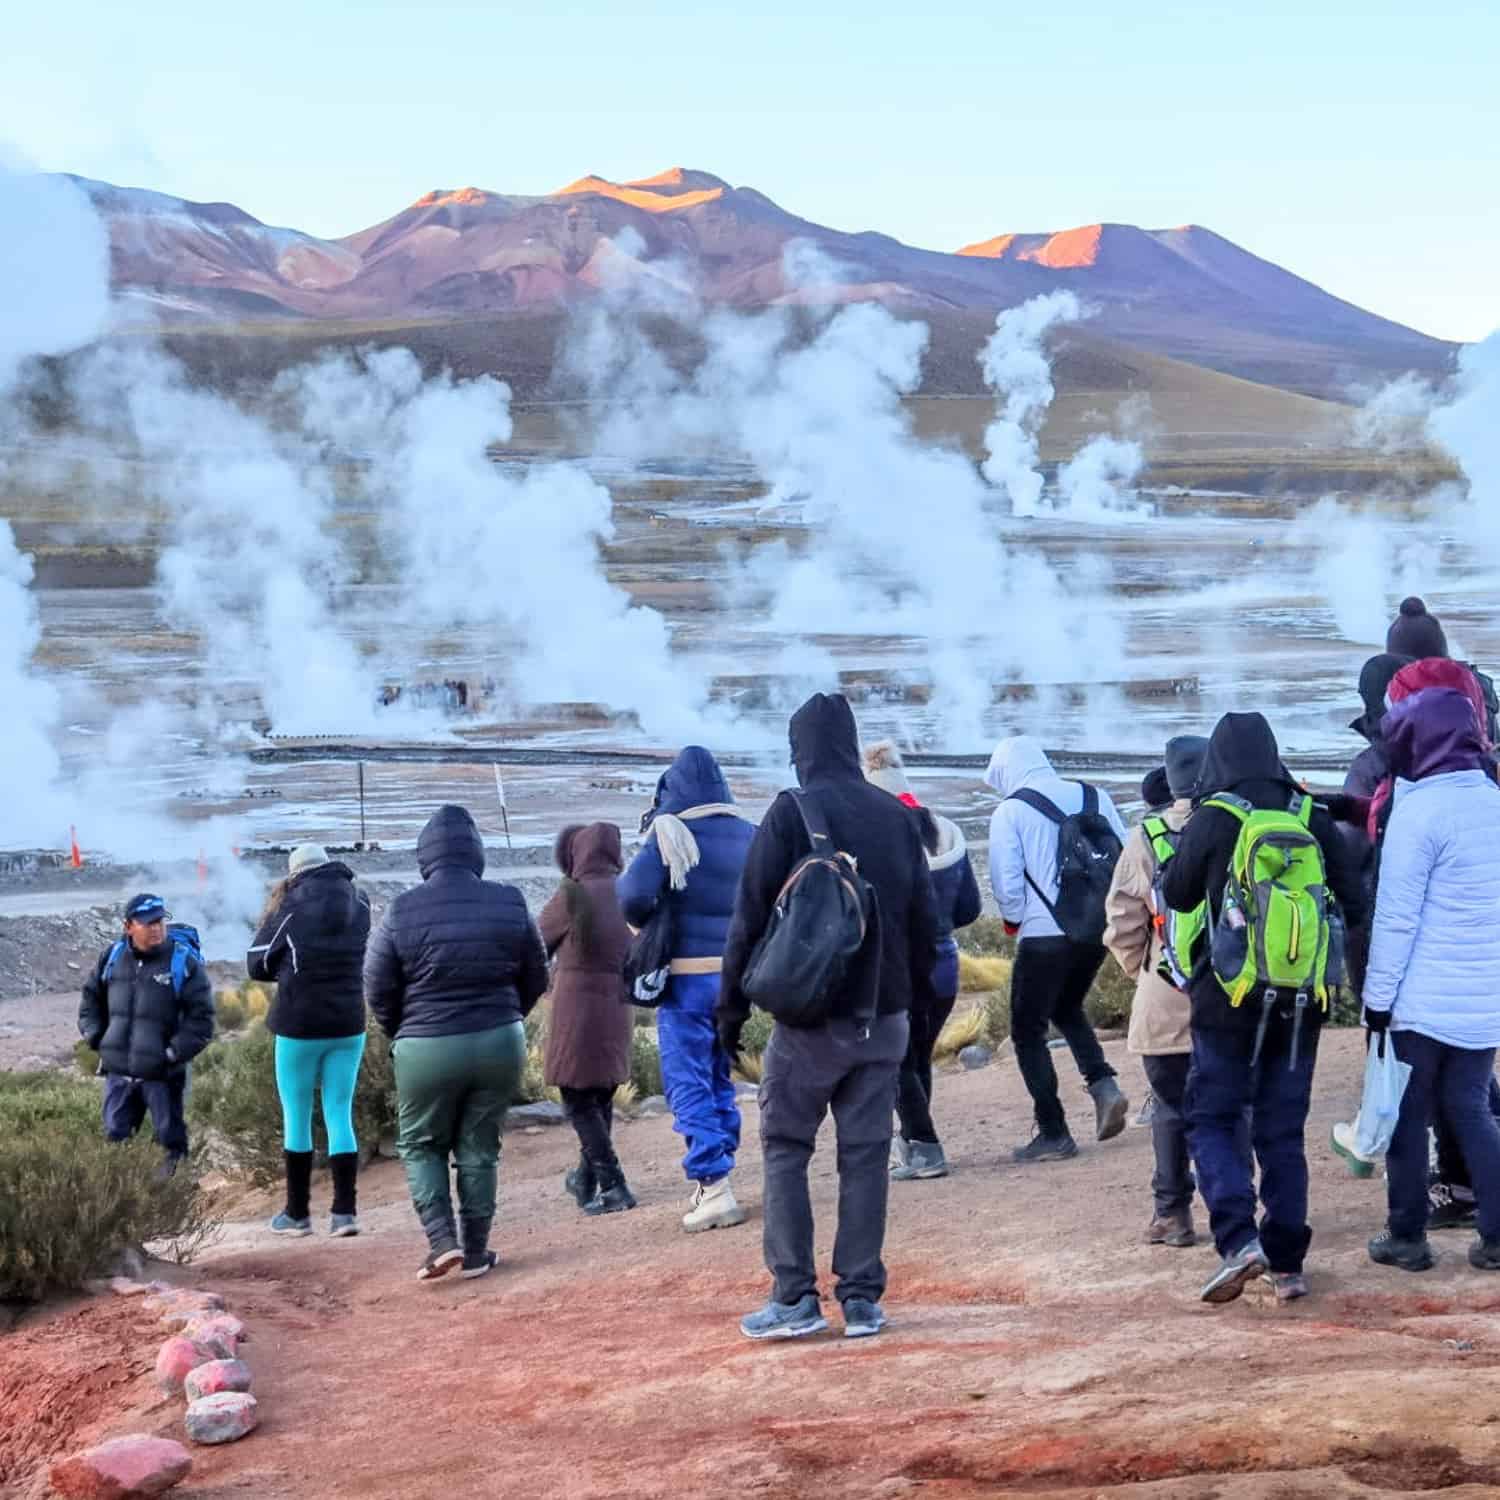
[728, 1029]
[1011, 928]
[1377, 1021]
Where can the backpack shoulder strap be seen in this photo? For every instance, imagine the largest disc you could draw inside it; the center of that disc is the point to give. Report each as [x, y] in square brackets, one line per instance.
[1160, 837]
[116, 948]
[813, 820]
[182, 959]
[1090, 800]
[1236, 807]
[1302, 809]
[1038, 803]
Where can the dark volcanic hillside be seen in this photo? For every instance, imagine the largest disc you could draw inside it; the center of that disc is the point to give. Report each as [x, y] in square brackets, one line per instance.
[466, 253]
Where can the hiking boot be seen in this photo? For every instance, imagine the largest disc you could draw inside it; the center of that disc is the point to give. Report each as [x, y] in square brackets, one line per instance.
[900, 1152]
[479, 1265]
[1446, 1210]
[1484, 1255]
[1235, 1274]
[1289, 1286]
[1046, 1148]
[580, 1183]
[439, 1262]
[1406, 1255]
[1148, 1110]
[924, 1160]
[1111, 1108]
[285, 1224]
[615, 1199]
[785, 1320]
[343, 1226]
[863, 1319]
[714, 1207]
[1175, 1229]
[1342, 1141]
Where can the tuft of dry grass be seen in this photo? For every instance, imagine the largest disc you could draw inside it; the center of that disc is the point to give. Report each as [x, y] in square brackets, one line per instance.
[964, 1028]
[980, 974]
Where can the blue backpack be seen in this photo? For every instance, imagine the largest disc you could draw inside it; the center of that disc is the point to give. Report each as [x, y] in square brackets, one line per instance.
[187, 949]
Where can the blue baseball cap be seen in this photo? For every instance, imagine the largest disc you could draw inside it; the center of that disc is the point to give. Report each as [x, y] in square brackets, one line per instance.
[145, 908]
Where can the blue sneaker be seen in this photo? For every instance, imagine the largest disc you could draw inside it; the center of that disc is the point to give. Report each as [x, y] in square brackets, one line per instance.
[786, 1320]
[343, 1226]
[284, 1223]
[863, 1319]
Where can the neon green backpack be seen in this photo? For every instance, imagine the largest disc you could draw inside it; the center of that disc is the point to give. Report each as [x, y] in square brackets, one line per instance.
[1275, 929]
[1178, 933]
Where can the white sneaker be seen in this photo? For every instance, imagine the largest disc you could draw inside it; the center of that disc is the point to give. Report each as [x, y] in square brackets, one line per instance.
[714, 1207]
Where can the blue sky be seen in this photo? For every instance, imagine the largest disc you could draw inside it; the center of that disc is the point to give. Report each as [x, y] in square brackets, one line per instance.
[1356, 144]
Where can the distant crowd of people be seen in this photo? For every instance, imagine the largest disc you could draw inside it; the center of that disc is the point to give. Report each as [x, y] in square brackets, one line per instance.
[1242, 905]
[453, 695]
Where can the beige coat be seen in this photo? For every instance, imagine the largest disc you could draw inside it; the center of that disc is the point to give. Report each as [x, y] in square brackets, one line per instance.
[1160, 1013]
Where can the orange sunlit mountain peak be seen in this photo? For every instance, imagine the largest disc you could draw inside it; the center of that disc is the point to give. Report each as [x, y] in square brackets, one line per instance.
[668, 192]
[1071, 249]
[441, 197]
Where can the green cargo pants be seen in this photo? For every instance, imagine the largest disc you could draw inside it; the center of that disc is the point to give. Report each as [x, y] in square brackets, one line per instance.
[453, 1092]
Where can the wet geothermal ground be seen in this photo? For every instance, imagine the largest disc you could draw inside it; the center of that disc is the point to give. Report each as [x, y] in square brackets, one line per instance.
[1036, 1346]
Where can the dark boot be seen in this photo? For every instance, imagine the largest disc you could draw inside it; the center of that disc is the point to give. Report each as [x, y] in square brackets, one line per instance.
[581, 1183]
[613, 1197]
[345, 1169]
[296, 1217]
[479, 1259]
[442, 1240]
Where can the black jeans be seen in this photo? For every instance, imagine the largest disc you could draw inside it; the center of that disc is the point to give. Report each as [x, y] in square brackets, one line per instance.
[1454, 1083]
[914, 1093]
[1048, 986]
[591, 1112]
[1451, 1166]
[808, 1071]
[1172, 1183]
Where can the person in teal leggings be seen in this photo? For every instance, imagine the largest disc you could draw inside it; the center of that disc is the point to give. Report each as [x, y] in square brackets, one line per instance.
[311, 944]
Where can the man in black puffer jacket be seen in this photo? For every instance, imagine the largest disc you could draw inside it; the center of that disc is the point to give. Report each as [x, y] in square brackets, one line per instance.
[849, 1065]
[144, 1029]
[449, 974]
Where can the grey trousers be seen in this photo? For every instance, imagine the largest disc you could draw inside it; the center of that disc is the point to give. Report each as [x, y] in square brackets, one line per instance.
[1172, 1183]
[807, 1072]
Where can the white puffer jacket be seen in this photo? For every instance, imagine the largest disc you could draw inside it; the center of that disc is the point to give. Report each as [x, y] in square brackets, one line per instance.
[1435, 945]
[1022, 841]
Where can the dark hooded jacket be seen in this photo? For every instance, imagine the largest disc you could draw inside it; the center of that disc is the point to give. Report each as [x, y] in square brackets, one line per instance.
[589, 1024]
[457, 953]
[1243, 758]
[312, 948]
[137, 1022]
[883, 837]
[702, 908]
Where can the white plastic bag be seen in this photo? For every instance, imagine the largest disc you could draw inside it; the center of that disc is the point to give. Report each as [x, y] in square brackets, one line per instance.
[1385, 1083]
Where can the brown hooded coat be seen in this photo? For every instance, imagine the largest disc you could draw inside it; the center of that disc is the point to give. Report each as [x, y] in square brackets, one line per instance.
[588, 1031]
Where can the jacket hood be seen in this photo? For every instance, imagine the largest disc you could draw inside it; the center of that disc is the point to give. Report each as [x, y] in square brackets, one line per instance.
[589, 851]
[1438, 672]
[1017, 762]
[450, 839]
[1242, 748]
[1374, 682]
[825, 741]
[692, 780]
[952, 846]
[1433, 732]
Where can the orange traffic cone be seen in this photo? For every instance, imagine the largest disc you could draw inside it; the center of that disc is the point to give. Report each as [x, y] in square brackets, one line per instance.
[76, 858]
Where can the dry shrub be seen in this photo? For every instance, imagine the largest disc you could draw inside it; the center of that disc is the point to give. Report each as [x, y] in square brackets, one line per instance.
[69, 1199]
[977, 975]
[964, 1028]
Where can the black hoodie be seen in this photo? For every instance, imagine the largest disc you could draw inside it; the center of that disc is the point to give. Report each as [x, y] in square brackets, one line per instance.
[1243, 758]
[883, 837]
[457, 953]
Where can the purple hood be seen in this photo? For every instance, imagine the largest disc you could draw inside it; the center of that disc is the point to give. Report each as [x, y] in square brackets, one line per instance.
[1433, 732]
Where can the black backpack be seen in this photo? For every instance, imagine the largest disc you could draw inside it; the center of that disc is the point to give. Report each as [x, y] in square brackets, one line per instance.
[1491, 703]
[1088, 849]
[822, 918]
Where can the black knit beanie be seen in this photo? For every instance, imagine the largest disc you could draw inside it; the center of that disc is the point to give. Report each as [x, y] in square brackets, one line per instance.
[1416, 633]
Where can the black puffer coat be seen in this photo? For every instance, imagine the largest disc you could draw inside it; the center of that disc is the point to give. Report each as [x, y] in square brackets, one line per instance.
[884, 838]
[312, 948]
[135, 1018]
[456, 953]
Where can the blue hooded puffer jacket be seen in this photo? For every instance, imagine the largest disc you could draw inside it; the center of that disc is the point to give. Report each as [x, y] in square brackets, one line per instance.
[702, 910]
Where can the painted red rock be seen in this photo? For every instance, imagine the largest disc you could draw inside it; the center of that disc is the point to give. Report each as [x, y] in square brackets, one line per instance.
[122, 1469]
[223, 1418]
[219, 1332]
[176, 1360]
[216, 1376]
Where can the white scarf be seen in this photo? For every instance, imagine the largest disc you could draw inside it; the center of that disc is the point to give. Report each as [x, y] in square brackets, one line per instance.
[674, 839]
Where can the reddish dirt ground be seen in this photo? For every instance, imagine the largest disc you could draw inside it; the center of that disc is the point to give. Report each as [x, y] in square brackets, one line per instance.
[1036, 1347]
